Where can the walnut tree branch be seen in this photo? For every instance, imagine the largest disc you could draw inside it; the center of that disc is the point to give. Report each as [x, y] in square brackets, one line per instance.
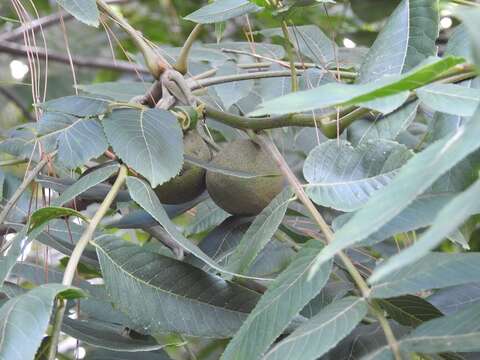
[43, 23]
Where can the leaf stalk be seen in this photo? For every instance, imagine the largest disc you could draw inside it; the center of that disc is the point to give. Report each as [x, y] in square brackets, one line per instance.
[72, 264]
[182, 63]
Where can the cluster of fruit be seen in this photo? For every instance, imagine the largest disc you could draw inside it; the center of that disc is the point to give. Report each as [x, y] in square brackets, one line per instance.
[236, 195]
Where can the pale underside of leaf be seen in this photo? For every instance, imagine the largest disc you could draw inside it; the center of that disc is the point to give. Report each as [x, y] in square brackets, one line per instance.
[222, 10]
[321, 333]
[415, 177]
[422, 275]
[448, 219]
[344, 177]
[84, 10]
[284, 299]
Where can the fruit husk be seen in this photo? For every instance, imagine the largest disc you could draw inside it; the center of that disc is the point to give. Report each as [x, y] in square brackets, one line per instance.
[190, 183]
[240, 196]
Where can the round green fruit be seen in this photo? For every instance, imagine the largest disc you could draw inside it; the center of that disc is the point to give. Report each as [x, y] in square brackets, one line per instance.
[240, 196]
[190, 183]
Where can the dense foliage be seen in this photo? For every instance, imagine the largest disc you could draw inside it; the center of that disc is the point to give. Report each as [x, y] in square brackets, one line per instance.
[248, 179]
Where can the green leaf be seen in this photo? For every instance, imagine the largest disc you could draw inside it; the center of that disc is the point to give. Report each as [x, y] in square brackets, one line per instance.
[450, 98]
[22, 142]
[71, 134]
[149, 141]
[289, 5]
[107, 336]
[22, 207]
[457, 332]
[284, 299]
[86, 182]
[340, 94]
[175, 296]
[24, 320]
[365, 339]
[8, 260]
[321, 333]
[96, 192]
[22, 238]
[222, 10]
[454, 214]
[101, 354]
[84, 10]
[309, 40]
[117, 90]
[273, 259]
[414, 178]
[207, 215]
[44, 215]
[344, 178]
[333, 291]
[210, 166]
[143, 195]
[459, 43]
[37, 274]
[410, 310]
[221, 241]
[407, 39]
[470, 17]
[81, 106]
[454, 298]
[263, 49]
[259, 233]
[231, 92]
[270, 88]
[455, 269]
[419, 214]
[62, 235]
[373, 10]
[387, 127]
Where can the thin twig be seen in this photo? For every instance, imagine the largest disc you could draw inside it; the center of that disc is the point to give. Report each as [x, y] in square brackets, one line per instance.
[79, 61]
[44, 22]
[268, 145]
[72, 264]
[239, 77]
[258, 57]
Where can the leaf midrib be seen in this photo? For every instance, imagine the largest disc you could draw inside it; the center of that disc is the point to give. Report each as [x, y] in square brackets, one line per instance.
[161, 289]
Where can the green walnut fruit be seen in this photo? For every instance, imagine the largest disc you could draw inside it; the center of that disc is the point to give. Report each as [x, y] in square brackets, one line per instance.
[190, 183]
[240, 196]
